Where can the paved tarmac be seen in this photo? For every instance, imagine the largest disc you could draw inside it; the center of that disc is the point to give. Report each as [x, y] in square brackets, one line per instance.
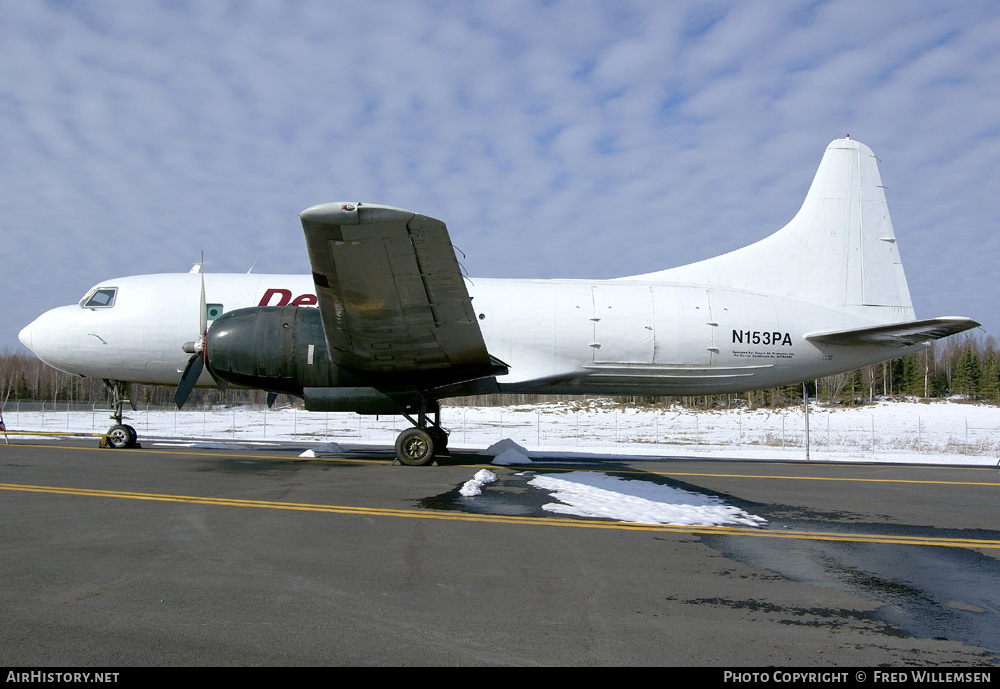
[184, 556]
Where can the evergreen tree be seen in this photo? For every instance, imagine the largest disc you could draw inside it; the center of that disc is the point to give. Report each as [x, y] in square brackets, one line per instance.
[990, 387]
[968, 373]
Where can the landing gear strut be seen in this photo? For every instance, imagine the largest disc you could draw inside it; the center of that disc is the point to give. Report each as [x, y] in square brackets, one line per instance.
[419, 445]
[120, 435]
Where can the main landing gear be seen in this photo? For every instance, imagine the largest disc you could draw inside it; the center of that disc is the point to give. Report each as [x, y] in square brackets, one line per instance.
[120, 435]
[421, 444]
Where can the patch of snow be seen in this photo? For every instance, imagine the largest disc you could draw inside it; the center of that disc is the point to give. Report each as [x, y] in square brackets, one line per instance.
[325, 448]
[474, 486]
[589, 494]
[511, 456]
[501, 446]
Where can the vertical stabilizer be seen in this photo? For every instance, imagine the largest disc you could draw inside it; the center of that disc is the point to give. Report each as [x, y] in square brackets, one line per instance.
[838, 251]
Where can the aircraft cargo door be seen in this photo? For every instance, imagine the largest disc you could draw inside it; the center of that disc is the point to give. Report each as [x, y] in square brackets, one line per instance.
[684, 329]
[623, 324]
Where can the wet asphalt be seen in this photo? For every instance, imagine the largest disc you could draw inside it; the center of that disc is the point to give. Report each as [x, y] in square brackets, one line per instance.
[172, 555]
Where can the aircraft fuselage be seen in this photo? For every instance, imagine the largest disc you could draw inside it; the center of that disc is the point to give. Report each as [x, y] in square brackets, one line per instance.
[558, 336]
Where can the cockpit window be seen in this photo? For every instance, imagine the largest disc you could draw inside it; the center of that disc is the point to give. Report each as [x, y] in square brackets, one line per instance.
[100, 298]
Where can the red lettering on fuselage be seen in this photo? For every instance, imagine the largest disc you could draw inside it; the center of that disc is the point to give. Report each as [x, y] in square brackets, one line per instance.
[305, 300]
[285, 296]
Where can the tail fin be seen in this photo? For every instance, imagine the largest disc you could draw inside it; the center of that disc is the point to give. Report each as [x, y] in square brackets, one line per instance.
[838, 251]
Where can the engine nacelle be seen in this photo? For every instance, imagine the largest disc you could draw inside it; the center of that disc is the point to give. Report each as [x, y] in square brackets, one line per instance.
[283, 349]
[275, 348]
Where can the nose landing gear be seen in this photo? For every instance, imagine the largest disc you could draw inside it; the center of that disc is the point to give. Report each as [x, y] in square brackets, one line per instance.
[120, 435]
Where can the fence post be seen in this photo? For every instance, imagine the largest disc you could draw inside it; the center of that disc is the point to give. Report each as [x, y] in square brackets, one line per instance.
[805, 402]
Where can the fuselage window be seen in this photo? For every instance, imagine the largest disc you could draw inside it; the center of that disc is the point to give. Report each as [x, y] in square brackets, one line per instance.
[102, 298]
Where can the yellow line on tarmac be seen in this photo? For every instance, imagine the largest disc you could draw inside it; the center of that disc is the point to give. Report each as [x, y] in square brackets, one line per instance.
[230, 454]
[506, 519]
[995, 484]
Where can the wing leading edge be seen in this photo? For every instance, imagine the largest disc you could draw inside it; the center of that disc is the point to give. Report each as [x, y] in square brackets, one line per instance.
[895, 334]
[392, 297]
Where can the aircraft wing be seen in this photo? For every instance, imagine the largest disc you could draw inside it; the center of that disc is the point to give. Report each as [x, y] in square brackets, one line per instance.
[392, 297]
[895, 334]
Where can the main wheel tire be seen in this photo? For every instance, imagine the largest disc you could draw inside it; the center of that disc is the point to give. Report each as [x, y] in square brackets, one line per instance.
[121, 436]
[414, 447]
[440, 440]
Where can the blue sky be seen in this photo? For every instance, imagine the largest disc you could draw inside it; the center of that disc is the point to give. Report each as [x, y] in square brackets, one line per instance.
[557, 139]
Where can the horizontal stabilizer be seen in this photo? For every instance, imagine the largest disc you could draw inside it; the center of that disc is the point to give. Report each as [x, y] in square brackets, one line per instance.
[895, 334]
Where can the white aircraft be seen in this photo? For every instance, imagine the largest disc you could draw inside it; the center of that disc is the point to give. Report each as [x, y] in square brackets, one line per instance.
[398, 327]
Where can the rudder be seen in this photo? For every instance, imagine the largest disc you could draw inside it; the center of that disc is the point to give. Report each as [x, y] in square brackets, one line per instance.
[838, 251]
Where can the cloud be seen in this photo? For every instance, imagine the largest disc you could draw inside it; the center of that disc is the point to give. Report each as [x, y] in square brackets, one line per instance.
[555, 139]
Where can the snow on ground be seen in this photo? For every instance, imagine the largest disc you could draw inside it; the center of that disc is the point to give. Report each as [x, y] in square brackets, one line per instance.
[506, 452]
[474, 486]
[912, 432]
[590, 494]
[939, 432]
[324, 449]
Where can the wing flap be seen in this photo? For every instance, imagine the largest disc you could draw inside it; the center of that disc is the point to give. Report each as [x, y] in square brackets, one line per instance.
[391, 294]
[895, 334]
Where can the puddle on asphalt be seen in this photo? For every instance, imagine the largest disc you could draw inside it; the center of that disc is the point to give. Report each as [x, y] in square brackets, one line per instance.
[927, 591]
[924, 591]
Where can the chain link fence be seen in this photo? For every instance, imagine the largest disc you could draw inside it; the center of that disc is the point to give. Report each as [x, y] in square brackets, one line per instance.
[914, 428]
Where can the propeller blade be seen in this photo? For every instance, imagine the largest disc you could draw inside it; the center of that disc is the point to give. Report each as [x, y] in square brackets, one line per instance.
[197, 363]
[188, 379]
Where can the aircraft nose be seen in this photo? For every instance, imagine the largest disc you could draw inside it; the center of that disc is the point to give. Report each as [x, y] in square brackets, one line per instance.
[50, 332]
[25, 335]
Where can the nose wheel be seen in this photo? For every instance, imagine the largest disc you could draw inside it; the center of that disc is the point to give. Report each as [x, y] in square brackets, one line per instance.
[120, 435]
